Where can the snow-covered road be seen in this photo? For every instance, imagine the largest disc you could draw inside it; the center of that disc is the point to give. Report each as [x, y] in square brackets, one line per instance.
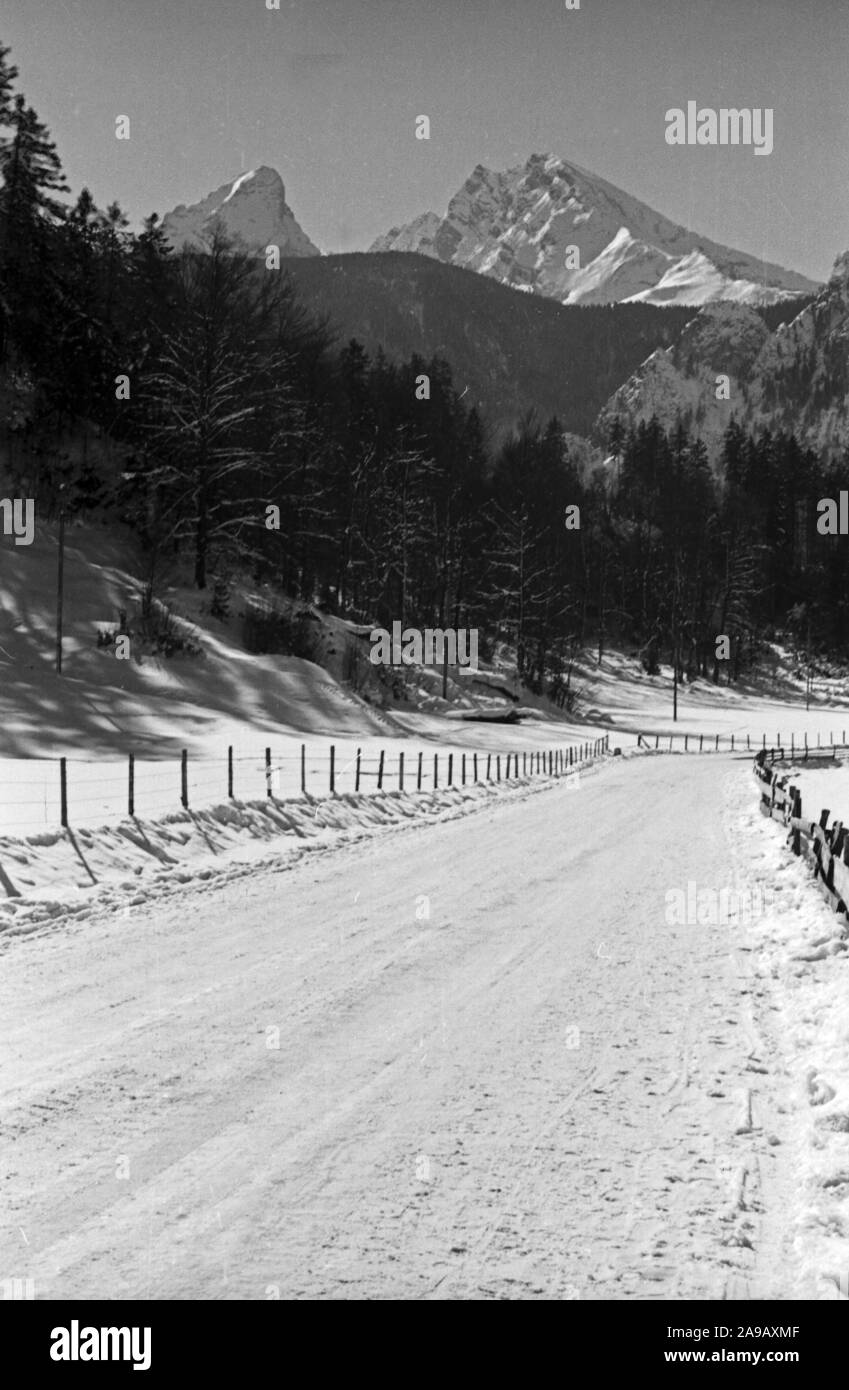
[459, 1060]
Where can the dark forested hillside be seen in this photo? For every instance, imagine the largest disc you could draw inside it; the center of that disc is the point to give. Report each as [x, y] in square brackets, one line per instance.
[514, 351]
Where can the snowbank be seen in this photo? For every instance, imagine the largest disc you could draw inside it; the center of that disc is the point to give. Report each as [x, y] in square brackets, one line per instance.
[800, 953]
[128, 864]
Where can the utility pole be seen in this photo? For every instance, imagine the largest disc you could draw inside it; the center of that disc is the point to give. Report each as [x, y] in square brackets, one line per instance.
[61, 582]
[675, 644]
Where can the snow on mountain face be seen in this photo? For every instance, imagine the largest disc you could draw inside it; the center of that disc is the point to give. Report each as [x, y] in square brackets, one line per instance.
[681, 381]
[795, 379]
[252, 210]
[525, 225]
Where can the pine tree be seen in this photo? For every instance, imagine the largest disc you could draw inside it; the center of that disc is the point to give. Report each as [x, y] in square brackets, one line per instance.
[207, 397]
[8, 74]
[31, 174]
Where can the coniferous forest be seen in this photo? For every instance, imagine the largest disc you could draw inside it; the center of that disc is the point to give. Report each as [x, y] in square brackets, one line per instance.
[189, 396]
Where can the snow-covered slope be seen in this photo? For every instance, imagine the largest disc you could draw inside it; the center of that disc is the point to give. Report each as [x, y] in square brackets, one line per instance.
[793, 379]
[251, 209]
[518, 225]
[682, 380]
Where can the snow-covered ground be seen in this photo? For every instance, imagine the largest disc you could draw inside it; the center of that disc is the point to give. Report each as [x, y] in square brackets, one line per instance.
[797, 954]
[101, 709]
[470, 1058]
[822, 788]
[126, 864]
[495, 1040]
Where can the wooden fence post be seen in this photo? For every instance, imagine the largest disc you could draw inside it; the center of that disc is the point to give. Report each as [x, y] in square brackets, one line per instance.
[332, 768]
[131, 795]
[380, 771]
[463, 771]
[732, 743]
[63, 792]
[400, 772]
[184, 779]
[419, 777]
[357, 773]
[488, 765]
[435, 771]
[475, 764]
[717, 744]
[268, 772]
[230, 772]
[796, 811]
[303, 767]
[701, 741]
[450, 769]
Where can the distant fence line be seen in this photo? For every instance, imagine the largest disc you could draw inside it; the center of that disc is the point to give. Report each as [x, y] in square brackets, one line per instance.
[712, 743]
[825, 849]
[307, 777]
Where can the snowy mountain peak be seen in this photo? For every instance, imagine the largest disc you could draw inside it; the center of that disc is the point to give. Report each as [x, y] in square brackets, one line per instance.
[556, 229]
[251, 209]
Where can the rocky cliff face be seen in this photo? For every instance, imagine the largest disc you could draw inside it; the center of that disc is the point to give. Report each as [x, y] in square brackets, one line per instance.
[251, 209]
[795, 379]
[555, 229]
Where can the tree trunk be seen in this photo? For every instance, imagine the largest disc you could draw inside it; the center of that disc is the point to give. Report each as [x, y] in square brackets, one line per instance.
[201, 542]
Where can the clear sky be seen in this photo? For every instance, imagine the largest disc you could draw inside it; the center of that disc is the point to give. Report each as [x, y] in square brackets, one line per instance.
[327, 92]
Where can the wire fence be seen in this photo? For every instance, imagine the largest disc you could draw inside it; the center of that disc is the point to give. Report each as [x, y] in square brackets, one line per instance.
[37, 794]
[793, 744]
